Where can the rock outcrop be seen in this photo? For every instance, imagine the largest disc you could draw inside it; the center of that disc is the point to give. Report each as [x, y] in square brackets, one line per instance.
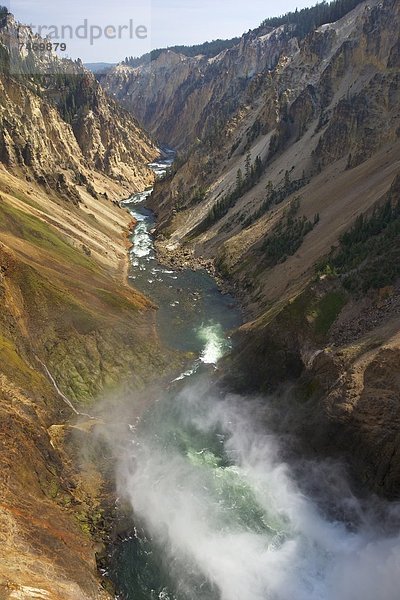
[58, 125]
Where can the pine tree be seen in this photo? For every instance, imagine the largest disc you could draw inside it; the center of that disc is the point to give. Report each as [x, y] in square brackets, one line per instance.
[247, 166]
[258, 166]
[239, 179]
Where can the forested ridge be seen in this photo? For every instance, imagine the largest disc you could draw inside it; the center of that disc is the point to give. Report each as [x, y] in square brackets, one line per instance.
[303, 22]
[308, 19]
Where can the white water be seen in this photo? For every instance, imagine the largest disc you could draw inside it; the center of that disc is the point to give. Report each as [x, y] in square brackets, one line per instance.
[196, 508]
[215, 344]
[142, 242]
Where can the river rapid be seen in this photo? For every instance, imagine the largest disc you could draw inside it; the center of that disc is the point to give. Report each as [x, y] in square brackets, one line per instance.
[218, 514]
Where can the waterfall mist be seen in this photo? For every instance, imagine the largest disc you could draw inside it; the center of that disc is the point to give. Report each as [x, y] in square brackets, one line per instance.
[207, 481]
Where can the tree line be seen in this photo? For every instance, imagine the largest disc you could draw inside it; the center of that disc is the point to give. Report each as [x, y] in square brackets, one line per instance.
[207, 49]
[307, 19]
[368, 255]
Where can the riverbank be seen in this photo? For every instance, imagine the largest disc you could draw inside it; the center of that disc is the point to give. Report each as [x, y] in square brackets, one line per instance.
[179, 257]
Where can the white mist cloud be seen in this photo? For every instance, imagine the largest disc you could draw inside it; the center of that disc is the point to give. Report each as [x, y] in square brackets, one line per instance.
[246, 526]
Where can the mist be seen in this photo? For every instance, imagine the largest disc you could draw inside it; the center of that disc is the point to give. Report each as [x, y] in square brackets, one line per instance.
[230, 520]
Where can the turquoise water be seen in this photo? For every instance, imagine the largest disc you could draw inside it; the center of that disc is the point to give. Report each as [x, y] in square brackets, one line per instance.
[193, 316]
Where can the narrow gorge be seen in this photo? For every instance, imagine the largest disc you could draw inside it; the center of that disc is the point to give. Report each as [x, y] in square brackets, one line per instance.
[200, 324]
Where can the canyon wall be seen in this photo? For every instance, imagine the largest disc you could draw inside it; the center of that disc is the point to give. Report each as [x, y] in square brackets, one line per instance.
[292, 198]
[71, 328]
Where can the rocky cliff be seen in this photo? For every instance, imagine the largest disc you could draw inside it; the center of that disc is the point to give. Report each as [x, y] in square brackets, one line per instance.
[293, 199]
[57, 124]
[71, 329]
[180, 98]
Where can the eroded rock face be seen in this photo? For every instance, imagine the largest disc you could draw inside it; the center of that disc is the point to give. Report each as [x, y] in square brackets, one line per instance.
[359, 413]
[332, 99]
[70, 130]
[44, 552]
[67, 314]
[179, 98]
[71, 328]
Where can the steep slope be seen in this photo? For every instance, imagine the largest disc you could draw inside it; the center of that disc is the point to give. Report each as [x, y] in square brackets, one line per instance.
[263, 203]
[71, 329]
[67, 315]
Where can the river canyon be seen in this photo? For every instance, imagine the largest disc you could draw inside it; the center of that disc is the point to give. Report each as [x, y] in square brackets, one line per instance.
[200, 347]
